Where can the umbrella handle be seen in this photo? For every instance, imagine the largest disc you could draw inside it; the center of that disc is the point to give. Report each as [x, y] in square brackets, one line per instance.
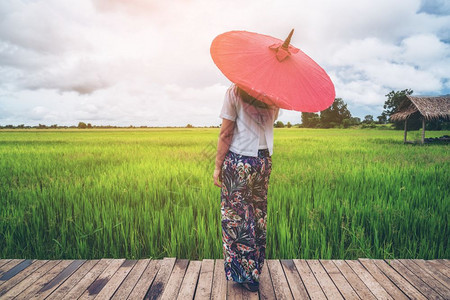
[284, 50]
[287, 41]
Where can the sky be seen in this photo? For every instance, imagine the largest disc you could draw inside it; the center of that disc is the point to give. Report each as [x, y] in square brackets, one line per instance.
[147, 63]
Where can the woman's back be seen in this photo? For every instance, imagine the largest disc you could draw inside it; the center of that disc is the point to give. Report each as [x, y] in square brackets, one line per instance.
[245, 163]
[254, 122]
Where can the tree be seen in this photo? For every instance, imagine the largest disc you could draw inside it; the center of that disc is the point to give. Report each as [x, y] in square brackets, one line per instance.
[346, 123]
[82, 125]
[89, 125]
[368, 119]
[189, 126]
[355, 121]
[382, 119]
[394, 100]
[279, 124]
[310, 120]
[288, 125]
[335, 114]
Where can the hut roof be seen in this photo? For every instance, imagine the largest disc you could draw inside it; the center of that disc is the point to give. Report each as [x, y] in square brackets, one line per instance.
[429, 107]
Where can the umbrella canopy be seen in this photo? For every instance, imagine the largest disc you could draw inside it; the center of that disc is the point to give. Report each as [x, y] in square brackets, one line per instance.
[273, 71]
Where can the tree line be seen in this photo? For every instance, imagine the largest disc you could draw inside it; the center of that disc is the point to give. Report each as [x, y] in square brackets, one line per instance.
[338, 116]
[83, 125]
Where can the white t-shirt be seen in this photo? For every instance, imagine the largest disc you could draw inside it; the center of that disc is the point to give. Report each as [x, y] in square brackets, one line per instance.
[253, 124]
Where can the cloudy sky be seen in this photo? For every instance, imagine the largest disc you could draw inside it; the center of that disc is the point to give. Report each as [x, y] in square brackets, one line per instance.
[147, 62]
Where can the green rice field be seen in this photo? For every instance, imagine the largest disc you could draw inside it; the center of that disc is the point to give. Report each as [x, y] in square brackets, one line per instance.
[139, 193]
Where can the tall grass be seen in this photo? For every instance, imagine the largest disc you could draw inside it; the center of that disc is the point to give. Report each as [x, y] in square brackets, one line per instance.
[149, 193]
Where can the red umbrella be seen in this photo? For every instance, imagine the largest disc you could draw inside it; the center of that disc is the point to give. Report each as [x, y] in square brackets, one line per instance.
[272, 71]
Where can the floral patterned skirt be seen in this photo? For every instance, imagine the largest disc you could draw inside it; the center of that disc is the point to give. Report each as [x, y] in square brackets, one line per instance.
[245, 181]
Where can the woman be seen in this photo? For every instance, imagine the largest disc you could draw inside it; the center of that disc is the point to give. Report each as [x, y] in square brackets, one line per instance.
[243, 167]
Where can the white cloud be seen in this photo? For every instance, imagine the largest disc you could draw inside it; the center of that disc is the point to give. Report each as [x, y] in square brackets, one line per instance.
[436, 7]
[361, 92]
[423, 49]
[368, 66]
[148, 63]
[400, 76]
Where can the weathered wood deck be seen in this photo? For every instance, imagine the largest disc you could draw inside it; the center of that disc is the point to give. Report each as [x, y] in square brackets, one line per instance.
[172, 278]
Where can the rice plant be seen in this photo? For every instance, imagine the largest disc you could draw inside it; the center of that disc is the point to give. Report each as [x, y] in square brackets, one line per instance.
[149, 193]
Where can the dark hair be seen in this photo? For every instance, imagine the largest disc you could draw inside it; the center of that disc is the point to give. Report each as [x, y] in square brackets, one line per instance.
[249, 99]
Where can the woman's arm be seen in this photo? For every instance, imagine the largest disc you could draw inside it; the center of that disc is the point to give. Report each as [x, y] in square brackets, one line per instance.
[225, 137]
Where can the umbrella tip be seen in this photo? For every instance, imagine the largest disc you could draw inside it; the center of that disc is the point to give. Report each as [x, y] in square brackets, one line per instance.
[288, 39]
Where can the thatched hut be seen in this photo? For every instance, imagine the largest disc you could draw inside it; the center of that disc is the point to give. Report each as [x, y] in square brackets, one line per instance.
[425, 108]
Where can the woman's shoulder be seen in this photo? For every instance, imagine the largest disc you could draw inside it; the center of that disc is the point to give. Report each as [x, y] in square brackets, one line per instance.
[233, 97]
[231, 92]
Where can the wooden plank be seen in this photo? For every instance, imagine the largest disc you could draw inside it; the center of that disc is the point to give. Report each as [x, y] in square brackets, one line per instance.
[173, 285]
[324, 280]
[309, 280]
[145, 281]
[382, 279]
[266, 290]
[13, 268]
[86, 281]
[4, 262]
[29, 292]
[9, 265]
[204, 285]
[279, 281]
[339, 280]
[189, 283]
[30, 279]
[55, 278]
[125, 288]
[447, 262]
[114, 282]
[160, 282]
[358, 285]
[439, 266]
[433, 271]
[219, 287]
[427, 278]
[4, 288]
[67, 285]
[99, 283]
[413, 279]
[294, 280]
[248, 295]
[398, 279]
[234, 290]
[368, 279]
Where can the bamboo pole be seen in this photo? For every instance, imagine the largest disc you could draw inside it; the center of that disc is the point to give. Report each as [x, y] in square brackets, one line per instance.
[423, 130]
[404, 137]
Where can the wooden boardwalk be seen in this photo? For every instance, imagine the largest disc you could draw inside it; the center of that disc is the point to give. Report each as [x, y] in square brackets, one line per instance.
[172, 278]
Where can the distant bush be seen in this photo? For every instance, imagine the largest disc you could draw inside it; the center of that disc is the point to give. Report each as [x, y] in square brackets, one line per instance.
[384, 127]
[346, 123]
[369, 125]
[279, 124]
